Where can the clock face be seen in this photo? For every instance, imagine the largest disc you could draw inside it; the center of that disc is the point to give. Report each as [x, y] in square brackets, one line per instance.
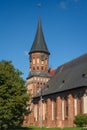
[43, 57]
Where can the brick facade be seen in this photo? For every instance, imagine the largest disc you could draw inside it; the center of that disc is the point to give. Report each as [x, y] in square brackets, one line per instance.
[63, 111]
[55, 109]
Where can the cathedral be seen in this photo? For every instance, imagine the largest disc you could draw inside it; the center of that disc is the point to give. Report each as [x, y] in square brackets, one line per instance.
[57, 95]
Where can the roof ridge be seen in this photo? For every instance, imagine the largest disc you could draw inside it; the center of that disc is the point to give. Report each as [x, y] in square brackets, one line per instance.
[72, 62]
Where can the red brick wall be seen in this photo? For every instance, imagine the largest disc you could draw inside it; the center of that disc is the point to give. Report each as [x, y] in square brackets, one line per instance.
[59, 112]
[57, 121]
[70, 110]
[38, 66]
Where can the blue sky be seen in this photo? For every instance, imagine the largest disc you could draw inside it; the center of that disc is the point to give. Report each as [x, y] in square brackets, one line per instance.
[64, 24]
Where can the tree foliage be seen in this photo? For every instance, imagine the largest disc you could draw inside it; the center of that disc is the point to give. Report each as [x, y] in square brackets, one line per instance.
[80, 120]
[13, 97]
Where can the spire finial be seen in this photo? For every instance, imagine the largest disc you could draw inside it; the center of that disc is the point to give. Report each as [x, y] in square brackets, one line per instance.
[39, 5]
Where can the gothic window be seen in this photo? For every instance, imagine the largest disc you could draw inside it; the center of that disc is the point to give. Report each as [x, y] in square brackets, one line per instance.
[66, 108]
[62, 108]
[35, 78]
[42, 62]
[37, 67]
[47, 80]
[37, 60]
[85, 103]
[38, 79]
[75, 105]
[33, 67]
[42, 67]
[33, 60]
[44, 110]
[35, 112]
[53, 109]
[43, 83]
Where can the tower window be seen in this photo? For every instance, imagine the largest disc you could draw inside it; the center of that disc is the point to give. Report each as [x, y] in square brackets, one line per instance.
[42, 68]
[42, 62]
[33, 60]
[33, 68]
[37, 67]
[38, 60]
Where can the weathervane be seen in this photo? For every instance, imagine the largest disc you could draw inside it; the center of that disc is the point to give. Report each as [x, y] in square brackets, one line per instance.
[39, 5]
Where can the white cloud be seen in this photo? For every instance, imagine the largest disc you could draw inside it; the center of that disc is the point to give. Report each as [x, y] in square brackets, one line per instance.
[64, 4]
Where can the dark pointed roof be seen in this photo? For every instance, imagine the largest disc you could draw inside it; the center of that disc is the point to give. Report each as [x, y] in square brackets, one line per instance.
[39, 44]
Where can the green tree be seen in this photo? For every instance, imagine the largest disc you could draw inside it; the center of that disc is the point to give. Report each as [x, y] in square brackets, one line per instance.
[80, 120]
[13, 97]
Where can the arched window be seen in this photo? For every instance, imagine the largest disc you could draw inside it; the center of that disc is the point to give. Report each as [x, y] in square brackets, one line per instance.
[53, 109]
[37, 67]
[35, 112]
[66, 107]
[42, 62]
[33, 67]
[63, 108]
[75, 105]
[42, 67]
[33, 60]
[38, 60]
[44, 110]
[85, 103]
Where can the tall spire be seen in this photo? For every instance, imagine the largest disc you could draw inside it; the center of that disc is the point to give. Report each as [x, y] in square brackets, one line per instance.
[39, 44]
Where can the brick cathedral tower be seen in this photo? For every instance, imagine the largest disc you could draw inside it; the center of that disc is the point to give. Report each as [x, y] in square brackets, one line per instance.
[39, 58]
